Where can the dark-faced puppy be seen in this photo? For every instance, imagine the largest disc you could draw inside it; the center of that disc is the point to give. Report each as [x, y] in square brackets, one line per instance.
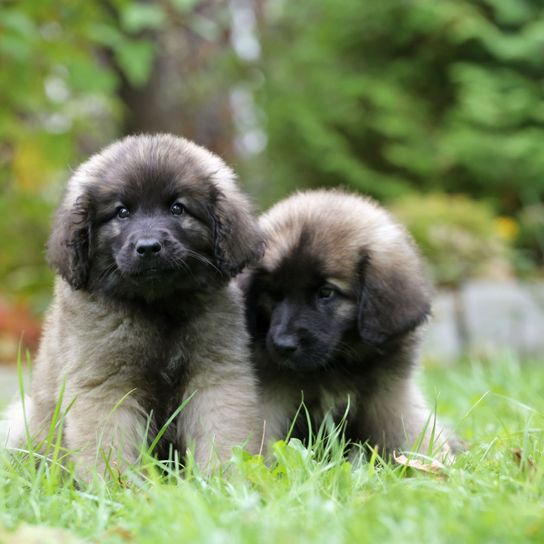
[144, 317]
[334, 308]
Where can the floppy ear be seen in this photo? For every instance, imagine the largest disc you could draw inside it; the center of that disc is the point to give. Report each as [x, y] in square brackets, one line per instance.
[394, 299]
[69, 244]
[238, 241]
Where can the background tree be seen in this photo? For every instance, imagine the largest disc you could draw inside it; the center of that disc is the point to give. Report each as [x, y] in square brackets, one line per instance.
[394, 96]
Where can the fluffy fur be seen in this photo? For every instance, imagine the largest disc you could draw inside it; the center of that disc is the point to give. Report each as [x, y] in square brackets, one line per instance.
[335, 308]
[144, 316]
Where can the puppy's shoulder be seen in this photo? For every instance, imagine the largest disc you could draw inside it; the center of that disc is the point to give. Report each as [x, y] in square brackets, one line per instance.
[225, 305]
[220, 329]
[81, 308]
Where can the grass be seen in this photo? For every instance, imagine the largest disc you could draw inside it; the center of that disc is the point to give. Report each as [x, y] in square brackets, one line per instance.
[492, 493]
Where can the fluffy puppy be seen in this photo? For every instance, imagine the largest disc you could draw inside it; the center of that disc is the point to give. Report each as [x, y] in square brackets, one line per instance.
[144, 317]
[335, 308]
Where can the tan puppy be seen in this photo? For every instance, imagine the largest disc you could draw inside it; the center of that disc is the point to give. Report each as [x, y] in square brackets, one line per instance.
[335, 308]
[145, 241]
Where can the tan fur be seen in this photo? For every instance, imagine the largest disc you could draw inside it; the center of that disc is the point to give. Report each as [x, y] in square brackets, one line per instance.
[365, 252]
[341, 224]
[98, 348]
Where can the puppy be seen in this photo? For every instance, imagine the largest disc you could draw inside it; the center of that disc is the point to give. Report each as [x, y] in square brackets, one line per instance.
[335, 309]
[144, 317]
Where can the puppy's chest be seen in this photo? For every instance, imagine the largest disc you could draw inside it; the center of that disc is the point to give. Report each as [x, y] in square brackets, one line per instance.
[154, 354]
[165, 371]
[333, 395]
[335, 402]
[336, 397]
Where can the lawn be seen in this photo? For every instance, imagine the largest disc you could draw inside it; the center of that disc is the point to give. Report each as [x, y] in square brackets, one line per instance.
[492, 493]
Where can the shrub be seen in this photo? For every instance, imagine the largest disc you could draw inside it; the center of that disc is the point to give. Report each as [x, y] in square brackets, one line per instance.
[530, 240]
[392, 96]
[458, 236]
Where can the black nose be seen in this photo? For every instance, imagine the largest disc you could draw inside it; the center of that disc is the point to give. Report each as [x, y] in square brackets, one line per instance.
[285, 344]
[147, 247]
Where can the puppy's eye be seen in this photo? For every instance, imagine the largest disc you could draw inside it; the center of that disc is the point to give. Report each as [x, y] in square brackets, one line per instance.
[122, 212]
[177, 208]
[326, 292]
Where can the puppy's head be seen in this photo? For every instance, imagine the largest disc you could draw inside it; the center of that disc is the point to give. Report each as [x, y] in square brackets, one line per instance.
[150, 216]
[337, 273]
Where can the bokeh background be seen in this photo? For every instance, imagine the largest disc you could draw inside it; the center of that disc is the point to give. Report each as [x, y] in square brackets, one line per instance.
[435, 108]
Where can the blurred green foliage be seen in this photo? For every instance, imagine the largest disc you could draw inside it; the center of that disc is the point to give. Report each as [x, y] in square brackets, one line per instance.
[530, 239]
[397, 96]
[457, 235]
[62, 63]
[391, 98]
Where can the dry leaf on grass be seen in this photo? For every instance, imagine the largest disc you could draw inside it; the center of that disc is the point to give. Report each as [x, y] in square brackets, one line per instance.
[434, 467]
[522, 460]
[122, 533]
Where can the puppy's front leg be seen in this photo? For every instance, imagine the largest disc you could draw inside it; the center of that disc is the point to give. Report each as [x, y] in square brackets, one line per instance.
[398, 417]
[103, 428]
[278, 405]
[221, 413]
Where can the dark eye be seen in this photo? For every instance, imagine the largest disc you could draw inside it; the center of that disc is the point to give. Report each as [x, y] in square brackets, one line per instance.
[177, 208]
[122, 212]
[326, 292]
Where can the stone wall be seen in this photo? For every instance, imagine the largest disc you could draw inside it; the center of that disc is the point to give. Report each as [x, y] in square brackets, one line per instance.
[487, 318]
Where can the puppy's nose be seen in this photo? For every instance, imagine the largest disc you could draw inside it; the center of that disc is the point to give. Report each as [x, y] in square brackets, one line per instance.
[285, 344]
[147, 247]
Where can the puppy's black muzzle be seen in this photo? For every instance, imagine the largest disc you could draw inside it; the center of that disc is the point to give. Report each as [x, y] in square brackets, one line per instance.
[285, 345]
[148, 248]
[293, 341]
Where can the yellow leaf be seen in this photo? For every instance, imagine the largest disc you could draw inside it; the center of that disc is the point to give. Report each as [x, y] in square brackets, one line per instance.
[507, 228]
[30, 164]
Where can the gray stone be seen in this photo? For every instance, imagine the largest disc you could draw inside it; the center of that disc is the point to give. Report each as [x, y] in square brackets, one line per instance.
[498, 317]
[441, 341]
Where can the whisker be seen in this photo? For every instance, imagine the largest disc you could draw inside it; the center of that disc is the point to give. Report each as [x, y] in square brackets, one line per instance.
[203, 259]
[109, 270]
[346, 349]
[180, 262]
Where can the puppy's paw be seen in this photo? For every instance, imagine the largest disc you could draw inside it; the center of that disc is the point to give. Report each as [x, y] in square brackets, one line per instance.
[12, 425]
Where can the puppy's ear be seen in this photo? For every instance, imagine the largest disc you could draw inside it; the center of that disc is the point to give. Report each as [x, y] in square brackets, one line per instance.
[69, 244]
[238, 241]
[394, 299]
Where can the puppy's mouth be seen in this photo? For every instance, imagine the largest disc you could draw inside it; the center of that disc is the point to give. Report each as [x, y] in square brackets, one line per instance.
[302, 365]
[153, 273]
[299, 360]
[154, 277]
[187, 264]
